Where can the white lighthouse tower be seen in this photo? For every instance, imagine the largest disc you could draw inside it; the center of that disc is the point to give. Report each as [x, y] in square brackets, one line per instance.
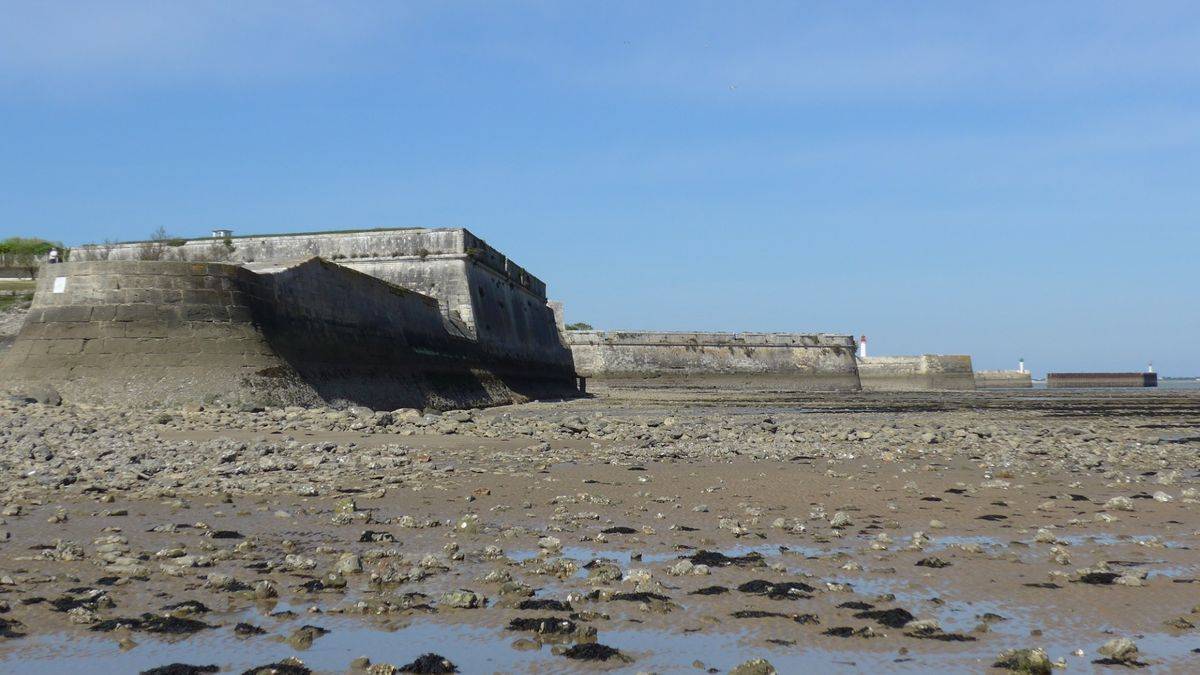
[1021, 365]
[862, 347]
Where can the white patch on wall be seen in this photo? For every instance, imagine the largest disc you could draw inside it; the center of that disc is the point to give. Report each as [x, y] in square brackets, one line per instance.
[60, 284]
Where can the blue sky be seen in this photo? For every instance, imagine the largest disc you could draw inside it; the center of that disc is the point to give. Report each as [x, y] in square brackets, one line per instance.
[999, 179]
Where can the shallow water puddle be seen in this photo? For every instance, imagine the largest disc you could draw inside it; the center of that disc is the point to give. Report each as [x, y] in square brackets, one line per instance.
[624, 558]
[476, 649]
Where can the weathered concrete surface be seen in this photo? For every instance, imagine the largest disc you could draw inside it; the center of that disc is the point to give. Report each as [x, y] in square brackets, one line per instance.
[916, 373]
[140, 332]
[1003, 379]
[1097, 380]
[798, 361]
[144, 333]
[501, 305]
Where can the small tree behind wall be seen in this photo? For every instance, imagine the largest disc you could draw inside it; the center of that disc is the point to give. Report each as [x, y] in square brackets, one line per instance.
[156, 247]
[26, 253]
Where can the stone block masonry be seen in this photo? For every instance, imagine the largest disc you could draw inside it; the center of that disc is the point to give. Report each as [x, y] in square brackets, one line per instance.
[499, 303]
[146, 333]
[1003, 379]
[788, 360]
[916, 373]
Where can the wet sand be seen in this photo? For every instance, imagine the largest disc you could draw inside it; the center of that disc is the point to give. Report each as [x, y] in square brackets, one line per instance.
[691, 531]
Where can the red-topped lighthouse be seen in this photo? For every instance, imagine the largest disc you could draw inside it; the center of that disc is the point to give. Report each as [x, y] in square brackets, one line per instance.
[862, 347]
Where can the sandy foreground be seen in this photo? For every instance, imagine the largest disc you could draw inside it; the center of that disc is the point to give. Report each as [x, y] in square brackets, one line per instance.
[635, 531]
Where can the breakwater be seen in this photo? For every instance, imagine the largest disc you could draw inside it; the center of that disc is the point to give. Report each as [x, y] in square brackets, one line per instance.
[1098, 380]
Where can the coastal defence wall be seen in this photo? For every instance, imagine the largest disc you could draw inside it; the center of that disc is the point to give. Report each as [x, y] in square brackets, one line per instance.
[924, 372]
[1100, 380]
[146, 333]
[1003, 379]
[799, 361]
[499, 303]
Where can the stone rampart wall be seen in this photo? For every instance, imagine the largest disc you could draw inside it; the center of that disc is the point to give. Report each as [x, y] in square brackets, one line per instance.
[511, 324]
[916, 373]
[507, 320]
[1002, 379]
[351, 247]
[800, 361]
[353, 337]
[499, 302]
[144, 333]
[140, 331]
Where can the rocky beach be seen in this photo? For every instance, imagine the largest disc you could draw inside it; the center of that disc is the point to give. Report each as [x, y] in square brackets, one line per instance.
[636, 530]
[642, 338]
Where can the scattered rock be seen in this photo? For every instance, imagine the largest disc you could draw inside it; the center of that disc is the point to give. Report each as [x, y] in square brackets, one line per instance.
[1031, 661]
[892, 618]
[594, 651]
[180, 669]
[548, 605]
[1119, 651]
[754, 667]
[246, 630]
[429, 663]
[462, 599]
[543, 626]
[288, 666]
[717, 559]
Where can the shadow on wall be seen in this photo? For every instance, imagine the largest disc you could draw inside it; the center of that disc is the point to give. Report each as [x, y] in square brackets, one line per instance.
[352, 337]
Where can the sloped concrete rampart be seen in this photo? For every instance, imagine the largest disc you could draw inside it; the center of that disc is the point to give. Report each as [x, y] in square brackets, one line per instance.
[141, 332]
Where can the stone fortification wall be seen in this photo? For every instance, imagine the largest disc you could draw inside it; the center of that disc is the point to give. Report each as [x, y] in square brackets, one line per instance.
[145, 333]
[1002, 379]
[511, 324]
[501, 304]
[800, 361]
[507, 320]
[356, 338]
[335, 245]
[140, 332]
[349, 247]
[1100, 380]
[916, 373]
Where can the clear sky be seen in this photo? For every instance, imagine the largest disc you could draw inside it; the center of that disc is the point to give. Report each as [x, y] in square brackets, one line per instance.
[1002, 179]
